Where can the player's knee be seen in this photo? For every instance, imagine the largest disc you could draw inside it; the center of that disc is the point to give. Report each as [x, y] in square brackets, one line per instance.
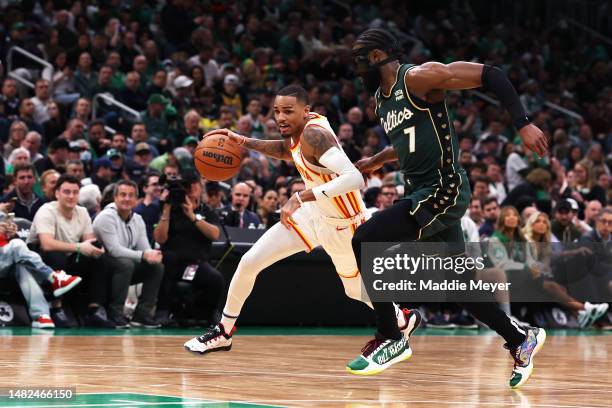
[249, 261]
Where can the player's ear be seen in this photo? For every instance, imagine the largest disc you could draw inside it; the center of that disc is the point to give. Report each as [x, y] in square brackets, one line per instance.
[306, 110]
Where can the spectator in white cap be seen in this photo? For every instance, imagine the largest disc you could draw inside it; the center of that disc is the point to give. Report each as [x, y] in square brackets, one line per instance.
[183, 93]
[230, 96]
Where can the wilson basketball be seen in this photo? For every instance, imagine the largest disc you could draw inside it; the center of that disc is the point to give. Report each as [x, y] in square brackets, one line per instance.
[217, 158]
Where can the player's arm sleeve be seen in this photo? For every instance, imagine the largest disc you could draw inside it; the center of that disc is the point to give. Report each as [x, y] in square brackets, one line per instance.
[349, 178]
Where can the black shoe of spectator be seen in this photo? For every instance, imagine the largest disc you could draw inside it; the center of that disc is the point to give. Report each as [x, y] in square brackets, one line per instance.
[166, 319]
[119, 320]
[61, 319]
[146, 322]
[96, 317]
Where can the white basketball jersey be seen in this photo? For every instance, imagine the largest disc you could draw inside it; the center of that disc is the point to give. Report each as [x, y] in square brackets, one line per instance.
[342, 206]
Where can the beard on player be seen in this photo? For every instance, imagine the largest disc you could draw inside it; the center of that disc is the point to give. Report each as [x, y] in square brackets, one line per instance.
[291, 115]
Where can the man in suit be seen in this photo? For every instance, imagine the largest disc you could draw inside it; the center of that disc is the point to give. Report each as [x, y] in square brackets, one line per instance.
[236, 214]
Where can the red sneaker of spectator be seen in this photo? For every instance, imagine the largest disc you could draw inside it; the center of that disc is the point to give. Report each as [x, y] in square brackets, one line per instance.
[62, 282]
[43, 322]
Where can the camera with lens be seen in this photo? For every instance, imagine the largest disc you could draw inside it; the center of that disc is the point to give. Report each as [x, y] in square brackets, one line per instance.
[177, 190]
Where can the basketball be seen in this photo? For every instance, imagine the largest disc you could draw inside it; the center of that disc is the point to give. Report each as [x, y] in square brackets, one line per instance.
[217, 158]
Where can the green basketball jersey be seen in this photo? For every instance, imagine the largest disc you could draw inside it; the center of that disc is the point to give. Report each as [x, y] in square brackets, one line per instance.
[424, 139]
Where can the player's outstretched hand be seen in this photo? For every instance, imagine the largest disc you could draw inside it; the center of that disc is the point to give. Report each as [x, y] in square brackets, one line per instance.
[367, 165]
[287, 211]
[233, 136]
[534, 139]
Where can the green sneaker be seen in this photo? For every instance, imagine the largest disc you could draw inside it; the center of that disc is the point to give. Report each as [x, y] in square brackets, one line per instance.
[379, 354]
[523, 356]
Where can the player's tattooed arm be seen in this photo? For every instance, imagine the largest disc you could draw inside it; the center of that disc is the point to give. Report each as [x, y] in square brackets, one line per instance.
[278, 149]
[315, 142]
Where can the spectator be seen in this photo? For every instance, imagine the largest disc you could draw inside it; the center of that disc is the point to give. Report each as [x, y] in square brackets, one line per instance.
[584, 184]
[214, 196]
[599, 241]
[480, 189]
[85, 78]
[139, 165]
[18, 156]
[98, 139]
[82, 110]
[55, 125]
[48, 181]
[150, 207]
[535, 189]
[75, 130]
[75, 169]
[17, 133]
[41, 101]
[102, 173]
[516, 166]
[345, 135]
[119, 142]
[490, 208]
[268, 211]
[209, 65]
[158, 84]
[229, 95]
[236, 213]
[256, 118]
[591, 212]
[10, 98]
[65, 235]
[191, 123]
[23, 201]
[104, 82]
[540, 251]
[139, 135]
[31, 273]
[186, 233]
[132, 95]
[154, 118]
[90, 197]
[129, 256]
[388, 196]
[475, 211]
[32, 144]
[497, 187]
[563, 227]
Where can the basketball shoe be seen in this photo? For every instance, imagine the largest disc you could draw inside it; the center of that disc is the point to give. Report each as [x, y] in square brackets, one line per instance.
[62, 282]
[379, 354]
[214, 339]
[523, 356]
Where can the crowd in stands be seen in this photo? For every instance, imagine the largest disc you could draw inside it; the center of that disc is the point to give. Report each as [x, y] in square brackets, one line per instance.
[95, 179]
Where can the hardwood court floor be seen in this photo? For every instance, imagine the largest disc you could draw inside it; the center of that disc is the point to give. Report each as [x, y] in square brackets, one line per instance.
[445, 371]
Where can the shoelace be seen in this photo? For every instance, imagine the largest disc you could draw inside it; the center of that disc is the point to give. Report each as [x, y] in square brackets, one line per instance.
[209, 336]
[61, 276]
[371, 346]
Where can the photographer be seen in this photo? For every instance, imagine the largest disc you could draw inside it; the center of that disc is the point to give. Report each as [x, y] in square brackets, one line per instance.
[186, 230]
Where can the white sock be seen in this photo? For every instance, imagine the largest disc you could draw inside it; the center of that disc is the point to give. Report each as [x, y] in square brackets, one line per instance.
[401, 319]
[505, 307]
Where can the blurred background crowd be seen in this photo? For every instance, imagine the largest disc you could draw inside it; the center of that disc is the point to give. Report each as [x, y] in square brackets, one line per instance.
[102, 92]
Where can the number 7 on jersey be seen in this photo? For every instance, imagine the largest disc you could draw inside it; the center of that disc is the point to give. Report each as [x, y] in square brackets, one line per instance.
[411, 136]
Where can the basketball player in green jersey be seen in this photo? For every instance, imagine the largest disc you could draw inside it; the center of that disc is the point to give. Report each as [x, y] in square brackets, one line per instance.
[410, 104]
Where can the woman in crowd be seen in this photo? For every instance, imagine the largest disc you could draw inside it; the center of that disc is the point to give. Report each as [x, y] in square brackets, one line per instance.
[269, 206]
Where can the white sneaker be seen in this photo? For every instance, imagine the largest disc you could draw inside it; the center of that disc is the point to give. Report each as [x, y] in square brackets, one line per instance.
[213, 339]
[587, 316]
[600, 310]
[43, 322]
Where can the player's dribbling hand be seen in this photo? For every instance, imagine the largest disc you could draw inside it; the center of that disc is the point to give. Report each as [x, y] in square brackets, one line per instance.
[287, 211]
[534, 139]
[233, 136]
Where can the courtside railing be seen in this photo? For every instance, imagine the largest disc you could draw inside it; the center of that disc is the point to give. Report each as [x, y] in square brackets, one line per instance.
[27, 54]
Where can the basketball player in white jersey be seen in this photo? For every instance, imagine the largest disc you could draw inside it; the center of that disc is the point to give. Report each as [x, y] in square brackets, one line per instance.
[327, 213]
